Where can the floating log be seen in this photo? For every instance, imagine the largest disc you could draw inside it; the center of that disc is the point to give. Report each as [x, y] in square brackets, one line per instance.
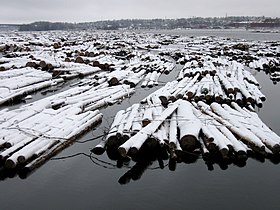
[136, 141]
[100, 148]
[233, 125]
[148, 116]
[137, 124]
[112, 134]
[130, 118]
[173, 134]
[188, 125]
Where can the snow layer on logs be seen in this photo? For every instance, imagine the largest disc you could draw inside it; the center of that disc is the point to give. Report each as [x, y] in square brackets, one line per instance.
[208, 107]
[226, 128]
[36, 63]
[218, 128]
[31, 131]
[229, 81]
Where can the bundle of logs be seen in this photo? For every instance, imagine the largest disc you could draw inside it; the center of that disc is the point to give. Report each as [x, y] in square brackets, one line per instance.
[35, 132]
[270, 66]
[186, 126]
[19, 82]
[216, 81]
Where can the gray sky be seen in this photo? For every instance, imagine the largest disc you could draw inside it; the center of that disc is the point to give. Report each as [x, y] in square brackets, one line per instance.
[26, 11]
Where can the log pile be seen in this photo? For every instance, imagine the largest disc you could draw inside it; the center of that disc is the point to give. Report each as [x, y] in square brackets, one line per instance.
[20, 82]
[256, 55]
[228, 130]
[208, 107]
[35, 132]
[58, 60]
[217, 81]
[28, 134]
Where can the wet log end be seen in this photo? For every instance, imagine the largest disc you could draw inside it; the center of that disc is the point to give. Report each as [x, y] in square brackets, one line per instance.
[122, 151]
[98, 150]
[10, 164]
[188, 142]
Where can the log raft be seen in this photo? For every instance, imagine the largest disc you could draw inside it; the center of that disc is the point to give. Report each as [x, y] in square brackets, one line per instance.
[39, 130]
[108, 68]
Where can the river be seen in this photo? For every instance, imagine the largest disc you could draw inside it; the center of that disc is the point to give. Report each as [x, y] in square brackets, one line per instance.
[75, 180]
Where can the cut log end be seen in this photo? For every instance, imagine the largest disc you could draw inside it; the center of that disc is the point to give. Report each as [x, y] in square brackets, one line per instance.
[241, 155]
[132, 151]
[21, 159]
[206, 155]
[113, 81]
[275, 149]
[98, 150]
[164, 100]
[122, 151]
[112, 141]
[224, 152]
[10, 164]
[145, 122]
[212, 147]
[188, 142]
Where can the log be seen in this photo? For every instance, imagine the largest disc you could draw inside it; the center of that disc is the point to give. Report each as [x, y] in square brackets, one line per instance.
[27, 152]
[100, 148]
[173, 134]
[208, 138]
[129, 120]
[179, 86]
[148, 116]
[227, 85]
[221, 141]
[109, 100]
[15, 148]
[205, 152]
[236, 127]
[188, 125]
[137, 123]
[189, 83]
[14, 138]
[122, 122]
[271, 140]
[192, 91]
[146, 80]
[111, 136]
[218, 92]
[160, 135]
[255, 91]
[245, 93]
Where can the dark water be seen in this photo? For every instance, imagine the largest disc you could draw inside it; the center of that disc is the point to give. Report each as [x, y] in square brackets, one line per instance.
[81, 182]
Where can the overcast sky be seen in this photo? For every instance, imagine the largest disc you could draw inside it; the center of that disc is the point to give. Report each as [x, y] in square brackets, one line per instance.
[27, 11]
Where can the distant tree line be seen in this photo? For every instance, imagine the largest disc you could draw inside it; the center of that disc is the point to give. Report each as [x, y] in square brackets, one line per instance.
[194, 23]
[46, 26]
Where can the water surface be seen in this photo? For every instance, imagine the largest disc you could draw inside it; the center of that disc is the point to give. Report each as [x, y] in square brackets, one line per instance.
[81, 182]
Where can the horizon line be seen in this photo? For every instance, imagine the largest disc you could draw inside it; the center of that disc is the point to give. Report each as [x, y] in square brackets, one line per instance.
[74, 22]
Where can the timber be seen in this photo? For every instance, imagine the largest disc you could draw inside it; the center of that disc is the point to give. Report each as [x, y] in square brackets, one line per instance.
[208, 107]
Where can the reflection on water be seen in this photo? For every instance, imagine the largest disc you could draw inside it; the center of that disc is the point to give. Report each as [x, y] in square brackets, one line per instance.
[154, 154]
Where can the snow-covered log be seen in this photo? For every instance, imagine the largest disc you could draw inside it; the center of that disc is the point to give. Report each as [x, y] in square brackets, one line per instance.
[136, 141]
[188, 124]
